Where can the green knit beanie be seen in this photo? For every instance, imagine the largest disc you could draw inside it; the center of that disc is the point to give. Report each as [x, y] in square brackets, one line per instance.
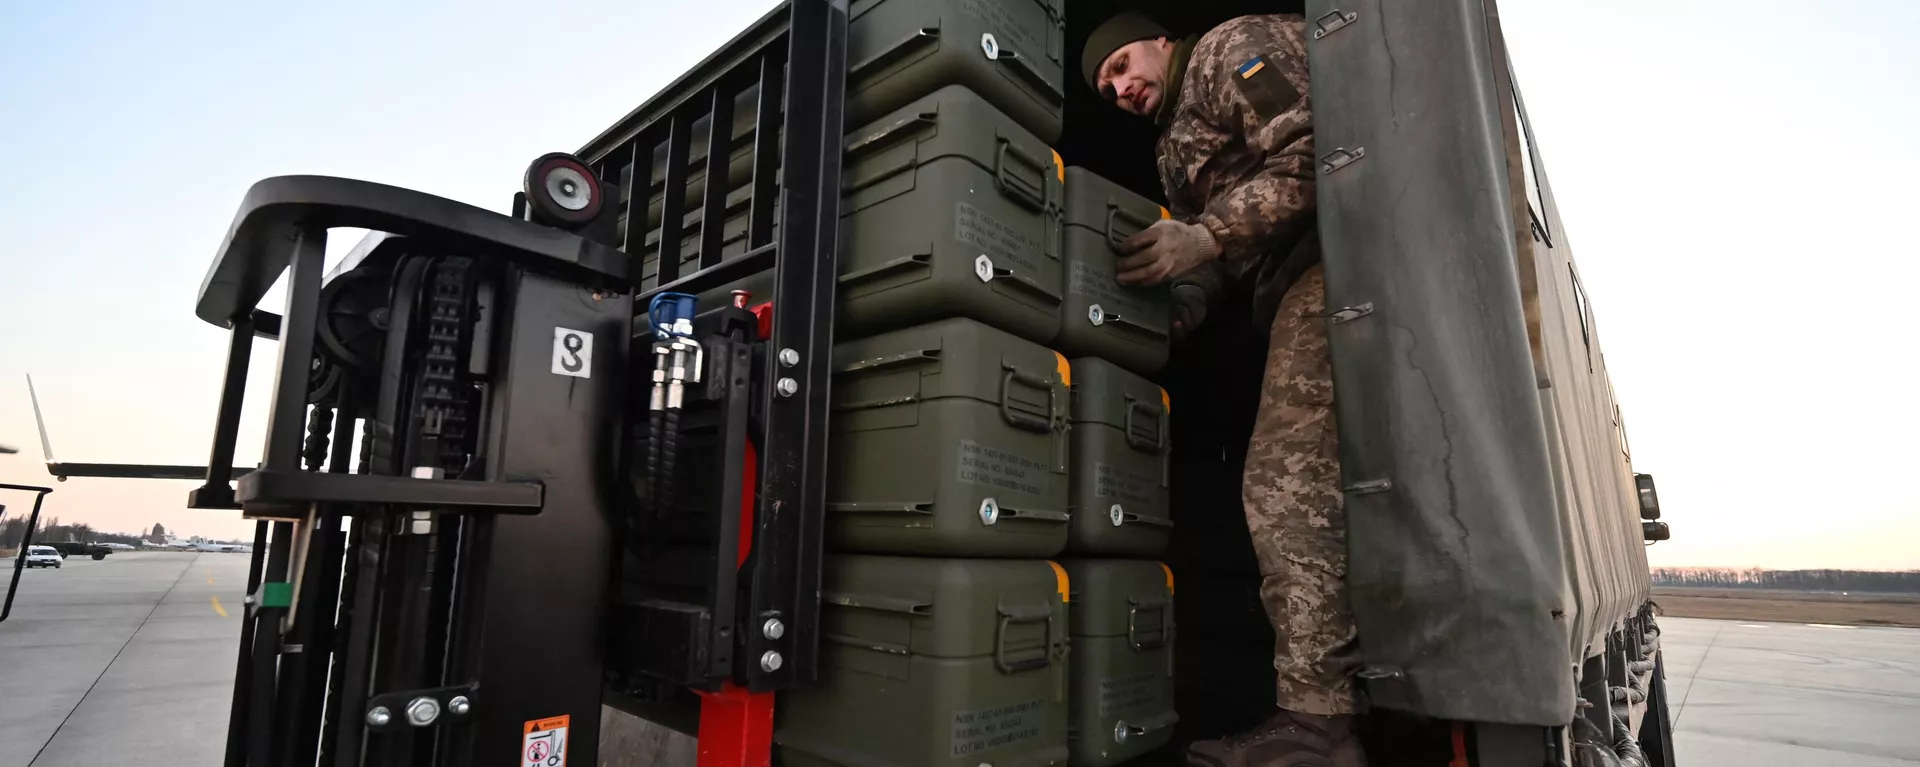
[1110, 36]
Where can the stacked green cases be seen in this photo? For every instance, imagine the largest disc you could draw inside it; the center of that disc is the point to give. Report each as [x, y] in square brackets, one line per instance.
[990, 416]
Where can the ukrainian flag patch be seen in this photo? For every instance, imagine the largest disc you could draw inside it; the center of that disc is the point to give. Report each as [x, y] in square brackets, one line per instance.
[1252, 66]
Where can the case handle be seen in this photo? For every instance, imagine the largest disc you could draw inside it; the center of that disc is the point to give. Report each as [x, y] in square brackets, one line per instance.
[1159, 417]
[872, 142]
[1044, 516]
[1023, 420]
[891, 266]
[1130, 518]
[1031, 195]
[903, 359]
[1010, 616]
[1124, 323]
[923, 508]
[1117, 213]
[866, 643]
[870, 602]
[1159, 640]
[1122, 731]
[1026, 283]
[925, 37]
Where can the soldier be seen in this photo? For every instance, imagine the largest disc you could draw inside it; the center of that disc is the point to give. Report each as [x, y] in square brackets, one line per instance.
[1236, 160]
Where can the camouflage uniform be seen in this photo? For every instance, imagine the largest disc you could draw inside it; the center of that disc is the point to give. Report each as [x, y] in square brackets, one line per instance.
[1237, 157]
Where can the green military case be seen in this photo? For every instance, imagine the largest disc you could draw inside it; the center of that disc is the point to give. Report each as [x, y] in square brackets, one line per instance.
[948, 439]
[934, 663]
[950, 209]
[1010, 51]
[1118, 472]
[1121, 613]
[1099, 317]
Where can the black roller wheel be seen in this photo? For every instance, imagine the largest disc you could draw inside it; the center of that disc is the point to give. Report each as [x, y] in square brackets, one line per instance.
[323, 380]
[353, 320]
[562, 191]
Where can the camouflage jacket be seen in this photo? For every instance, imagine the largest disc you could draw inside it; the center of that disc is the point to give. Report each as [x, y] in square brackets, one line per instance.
[1237, 153]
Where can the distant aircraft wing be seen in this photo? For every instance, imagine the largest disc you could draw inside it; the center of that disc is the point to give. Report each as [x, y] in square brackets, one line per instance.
[133, 470]
[111, 470]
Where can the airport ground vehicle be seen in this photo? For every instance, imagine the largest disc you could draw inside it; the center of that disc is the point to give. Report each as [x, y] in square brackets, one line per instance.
[76, 548]
[488, 597]
[41, 556]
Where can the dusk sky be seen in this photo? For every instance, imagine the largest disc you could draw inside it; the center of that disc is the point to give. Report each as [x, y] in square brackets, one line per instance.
[1728, 175]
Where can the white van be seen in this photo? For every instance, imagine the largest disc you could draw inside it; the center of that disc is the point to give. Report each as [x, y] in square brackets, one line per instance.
[42, 556]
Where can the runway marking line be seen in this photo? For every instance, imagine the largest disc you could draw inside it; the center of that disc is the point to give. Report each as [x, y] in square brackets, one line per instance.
[218, 609]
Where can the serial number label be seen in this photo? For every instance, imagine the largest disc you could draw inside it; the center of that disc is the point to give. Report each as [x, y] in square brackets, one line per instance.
[990, 728]
[1124, 694]
[1099, 286]
[994, 237]
[993, 467]
[1110, 481]
[1004, 25]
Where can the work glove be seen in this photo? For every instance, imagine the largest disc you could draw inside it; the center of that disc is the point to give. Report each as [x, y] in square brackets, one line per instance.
[1164, 251]
[1189, 309]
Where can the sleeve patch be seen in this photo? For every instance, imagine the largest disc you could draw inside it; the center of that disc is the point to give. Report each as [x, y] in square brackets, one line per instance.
[1264, 87]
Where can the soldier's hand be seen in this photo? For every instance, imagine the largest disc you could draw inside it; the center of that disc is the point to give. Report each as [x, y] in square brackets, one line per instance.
[1164, 251]
[1189, 309]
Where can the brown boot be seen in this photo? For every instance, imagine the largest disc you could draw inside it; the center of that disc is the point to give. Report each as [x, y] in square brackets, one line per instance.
[1287, 740]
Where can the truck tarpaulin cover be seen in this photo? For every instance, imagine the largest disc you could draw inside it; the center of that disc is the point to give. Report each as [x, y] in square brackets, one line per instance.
[1458, 568]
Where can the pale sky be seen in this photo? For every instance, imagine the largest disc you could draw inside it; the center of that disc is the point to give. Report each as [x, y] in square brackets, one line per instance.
[1732, 176]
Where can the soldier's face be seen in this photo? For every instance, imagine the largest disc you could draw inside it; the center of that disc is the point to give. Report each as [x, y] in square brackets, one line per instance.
[1134, 77]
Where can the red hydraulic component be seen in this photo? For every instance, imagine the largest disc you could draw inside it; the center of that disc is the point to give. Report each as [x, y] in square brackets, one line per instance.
[764, 313]
[736, 726]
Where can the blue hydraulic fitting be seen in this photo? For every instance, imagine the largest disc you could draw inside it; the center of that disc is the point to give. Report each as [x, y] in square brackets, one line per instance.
[671, 314]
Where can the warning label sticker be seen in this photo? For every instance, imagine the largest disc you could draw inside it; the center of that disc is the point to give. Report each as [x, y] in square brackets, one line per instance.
[1001, 242]
[993, 467]
[543, 743]
[990, 728]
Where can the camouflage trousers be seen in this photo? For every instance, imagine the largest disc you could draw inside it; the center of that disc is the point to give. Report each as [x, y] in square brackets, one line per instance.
[1292, 498]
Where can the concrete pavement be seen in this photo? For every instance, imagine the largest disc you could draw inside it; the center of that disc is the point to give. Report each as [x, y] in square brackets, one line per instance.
[127, 660]
[1787, 695]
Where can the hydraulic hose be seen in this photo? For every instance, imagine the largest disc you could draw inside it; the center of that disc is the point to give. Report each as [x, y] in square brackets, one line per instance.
[1626, 746]
[1593, 751]
[656, 432]
[670, 446]
[677, 361]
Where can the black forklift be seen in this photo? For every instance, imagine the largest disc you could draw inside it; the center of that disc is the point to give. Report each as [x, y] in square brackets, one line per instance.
[514, 471]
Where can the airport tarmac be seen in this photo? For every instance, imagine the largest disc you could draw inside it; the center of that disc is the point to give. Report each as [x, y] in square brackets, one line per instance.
[1792, 695]
[130, 660]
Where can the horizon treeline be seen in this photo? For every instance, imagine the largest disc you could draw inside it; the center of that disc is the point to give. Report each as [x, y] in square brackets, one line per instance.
[1872, 581]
